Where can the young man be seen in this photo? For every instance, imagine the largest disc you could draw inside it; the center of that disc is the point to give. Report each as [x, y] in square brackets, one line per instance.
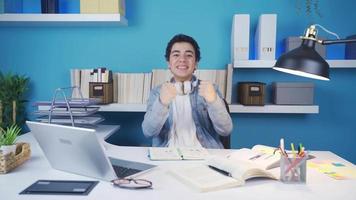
[185, 112]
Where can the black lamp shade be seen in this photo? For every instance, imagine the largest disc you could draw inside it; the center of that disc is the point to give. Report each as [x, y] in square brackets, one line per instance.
[304, 61]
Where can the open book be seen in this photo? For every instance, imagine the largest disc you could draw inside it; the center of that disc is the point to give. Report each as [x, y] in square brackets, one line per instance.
[186, 153]
[229, 171]
[262, 156]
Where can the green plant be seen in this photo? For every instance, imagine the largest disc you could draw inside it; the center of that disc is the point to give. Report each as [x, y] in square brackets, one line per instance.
[12, 102]
[8, 136]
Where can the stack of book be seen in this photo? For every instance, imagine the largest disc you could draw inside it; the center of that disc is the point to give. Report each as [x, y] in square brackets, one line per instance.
[134, 88]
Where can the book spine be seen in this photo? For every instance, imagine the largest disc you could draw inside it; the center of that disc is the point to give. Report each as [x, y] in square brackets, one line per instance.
[13, 6]
[229, 76]
[49, 6]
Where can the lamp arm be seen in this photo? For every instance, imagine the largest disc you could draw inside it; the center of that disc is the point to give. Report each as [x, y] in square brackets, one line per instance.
[326, 42]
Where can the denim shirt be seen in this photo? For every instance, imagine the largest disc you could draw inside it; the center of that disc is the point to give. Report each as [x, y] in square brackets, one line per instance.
[211, 119]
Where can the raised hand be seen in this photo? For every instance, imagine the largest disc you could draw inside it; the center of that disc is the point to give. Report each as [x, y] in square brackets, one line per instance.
[207, 91]
[168, 93]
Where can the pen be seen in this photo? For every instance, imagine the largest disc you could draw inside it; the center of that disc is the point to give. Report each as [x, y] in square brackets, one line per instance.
[293, 150]
[300, 147]
[256, 156]
[220, 170]
[281, 145]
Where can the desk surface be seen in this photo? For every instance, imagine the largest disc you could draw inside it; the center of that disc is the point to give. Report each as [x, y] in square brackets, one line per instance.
[318, 186]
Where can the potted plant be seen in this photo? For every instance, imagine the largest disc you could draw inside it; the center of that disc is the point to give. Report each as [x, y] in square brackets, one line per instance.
[8, 138]
[12, 99]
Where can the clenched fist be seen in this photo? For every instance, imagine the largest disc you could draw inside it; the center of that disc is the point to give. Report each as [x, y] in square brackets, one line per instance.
[168, 93]
[207, 91]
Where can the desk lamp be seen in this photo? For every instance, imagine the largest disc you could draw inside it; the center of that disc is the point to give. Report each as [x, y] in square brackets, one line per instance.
[304, 60]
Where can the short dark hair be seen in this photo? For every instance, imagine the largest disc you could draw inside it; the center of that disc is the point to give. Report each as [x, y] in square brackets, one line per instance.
[183, 38]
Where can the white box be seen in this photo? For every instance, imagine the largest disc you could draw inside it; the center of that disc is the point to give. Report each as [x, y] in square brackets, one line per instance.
[265, 37]
[240, 37]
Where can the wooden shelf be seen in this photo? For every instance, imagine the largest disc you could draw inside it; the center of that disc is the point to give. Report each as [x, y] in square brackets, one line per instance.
[248, 64]
[236, 108]
[62, 20]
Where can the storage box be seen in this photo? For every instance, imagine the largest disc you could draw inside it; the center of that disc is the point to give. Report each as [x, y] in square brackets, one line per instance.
[102, 91]
[102, 6]
[350, 51]
[112, 6]
[293, 93]
[294, 42]
[251, 93]
[10, 161]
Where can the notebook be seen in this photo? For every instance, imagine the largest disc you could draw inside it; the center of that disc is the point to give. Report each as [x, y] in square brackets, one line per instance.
[181, 153]
[78, 150]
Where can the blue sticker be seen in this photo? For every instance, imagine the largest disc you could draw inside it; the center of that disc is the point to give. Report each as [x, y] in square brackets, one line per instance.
[338, 164]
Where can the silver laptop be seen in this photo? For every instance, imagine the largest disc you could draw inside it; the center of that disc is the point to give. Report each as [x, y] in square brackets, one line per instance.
[78, 150]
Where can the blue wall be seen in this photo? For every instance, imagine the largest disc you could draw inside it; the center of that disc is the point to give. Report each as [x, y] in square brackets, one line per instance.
[46, 54]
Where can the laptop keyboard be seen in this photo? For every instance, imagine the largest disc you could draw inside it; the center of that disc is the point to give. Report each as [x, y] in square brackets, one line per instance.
[123, 172]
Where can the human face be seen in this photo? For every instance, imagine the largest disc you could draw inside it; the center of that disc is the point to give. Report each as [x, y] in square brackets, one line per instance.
[182, 62]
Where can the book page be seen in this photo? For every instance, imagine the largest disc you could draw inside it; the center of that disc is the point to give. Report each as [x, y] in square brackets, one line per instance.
[163, 153]
[202, 178]
[193, 153]
[238, 169]
[263, 159]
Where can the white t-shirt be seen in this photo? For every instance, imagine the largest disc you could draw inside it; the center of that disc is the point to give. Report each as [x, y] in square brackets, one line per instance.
[183, 132]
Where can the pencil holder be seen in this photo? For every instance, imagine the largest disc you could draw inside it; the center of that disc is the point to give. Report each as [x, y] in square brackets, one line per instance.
[293, 170]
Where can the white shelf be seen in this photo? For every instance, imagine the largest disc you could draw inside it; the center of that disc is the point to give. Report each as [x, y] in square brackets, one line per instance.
[115, 107]
[270, 63]
[62, 19]
[236, 108]
[254, 63]
[301, 109]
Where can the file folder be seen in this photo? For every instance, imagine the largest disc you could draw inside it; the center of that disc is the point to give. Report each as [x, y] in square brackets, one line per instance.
[265, 37]
[240, 37]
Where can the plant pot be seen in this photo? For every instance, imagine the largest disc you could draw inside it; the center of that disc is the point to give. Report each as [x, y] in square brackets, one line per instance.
[6, 149]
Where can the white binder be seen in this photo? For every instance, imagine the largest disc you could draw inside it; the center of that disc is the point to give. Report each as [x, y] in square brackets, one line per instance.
[265, 37]
[240, 37]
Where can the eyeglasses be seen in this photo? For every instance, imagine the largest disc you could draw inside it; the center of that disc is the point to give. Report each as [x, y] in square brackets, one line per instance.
[129, 183]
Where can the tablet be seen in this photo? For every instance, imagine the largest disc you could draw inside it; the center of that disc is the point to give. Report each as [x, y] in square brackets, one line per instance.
[60, 187]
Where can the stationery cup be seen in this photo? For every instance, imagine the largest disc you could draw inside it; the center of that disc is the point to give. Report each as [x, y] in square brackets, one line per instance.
[293, 170]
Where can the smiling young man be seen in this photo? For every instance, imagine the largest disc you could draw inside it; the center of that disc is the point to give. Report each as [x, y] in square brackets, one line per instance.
[186, 112]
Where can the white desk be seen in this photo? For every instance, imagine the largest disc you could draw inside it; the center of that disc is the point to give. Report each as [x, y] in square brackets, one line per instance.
[318, 186]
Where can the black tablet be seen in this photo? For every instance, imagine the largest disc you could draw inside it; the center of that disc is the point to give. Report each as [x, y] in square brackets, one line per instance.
[60, 187]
